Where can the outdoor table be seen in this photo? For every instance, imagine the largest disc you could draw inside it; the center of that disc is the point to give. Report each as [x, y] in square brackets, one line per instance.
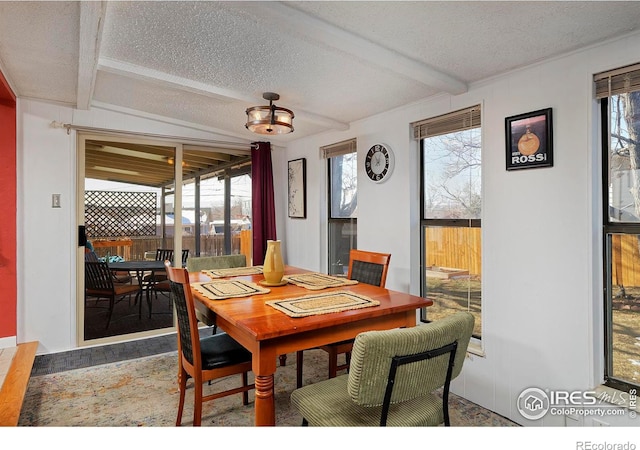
[139, 268]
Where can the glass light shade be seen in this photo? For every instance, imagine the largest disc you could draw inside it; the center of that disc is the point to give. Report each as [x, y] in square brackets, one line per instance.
[260, 120]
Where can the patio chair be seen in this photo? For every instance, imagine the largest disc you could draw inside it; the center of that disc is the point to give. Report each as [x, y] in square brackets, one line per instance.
[156, 281]
[366, 267]
[162, 254]
[393, 377]
[99, 283]
[203, 359]
[118, 277]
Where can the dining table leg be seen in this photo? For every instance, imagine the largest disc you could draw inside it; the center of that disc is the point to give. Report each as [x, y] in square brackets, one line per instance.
[264, 368]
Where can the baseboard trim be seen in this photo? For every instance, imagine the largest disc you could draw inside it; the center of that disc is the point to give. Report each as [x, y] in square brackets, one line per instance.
[8, 342]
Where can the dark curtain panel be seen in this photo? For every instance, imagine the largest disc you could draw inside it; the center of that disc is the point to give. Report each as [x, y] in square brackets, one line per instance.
[263, 206]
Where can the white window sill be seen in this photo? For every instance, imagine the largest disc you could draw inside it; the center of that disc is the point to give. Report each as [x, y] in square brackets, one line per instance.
[475, 348]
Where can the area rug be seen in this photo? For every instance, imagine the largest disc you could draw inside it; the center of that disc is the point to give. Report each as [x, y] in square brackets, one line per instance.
[144, 393]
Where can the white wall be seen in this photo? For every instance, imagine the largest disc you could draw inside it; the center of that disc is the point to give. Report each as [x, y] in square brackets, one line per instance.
[47, 237]
[541, 281]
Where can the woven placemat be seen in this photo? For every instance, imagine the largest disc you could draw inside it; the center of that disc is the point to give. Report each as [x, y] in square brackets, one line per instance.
[317, 281]
[221, 289]
[325, 303]
[233, 272]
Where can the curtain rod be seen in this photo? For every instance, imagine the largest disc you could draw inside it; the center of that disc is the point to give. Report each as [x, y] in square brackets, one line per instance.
[207, 142]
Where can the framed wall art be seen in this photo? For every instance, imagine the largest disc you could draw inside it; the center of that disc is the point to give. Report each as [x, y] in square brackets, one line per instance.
[529, 139]
[298, 188]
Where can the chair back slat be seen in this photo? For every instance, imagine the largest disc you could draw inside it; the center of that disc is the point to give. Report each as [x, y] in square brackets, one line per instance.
[164, 254]
[185, 257]
[97, 276]
[373, 353]
[188, 336]
[368, 267]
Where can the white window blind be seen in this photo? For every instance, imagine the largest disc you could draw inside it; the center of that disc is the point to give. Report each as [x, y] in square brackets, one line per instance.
[338, 149]
[462, 119]
[617, 81]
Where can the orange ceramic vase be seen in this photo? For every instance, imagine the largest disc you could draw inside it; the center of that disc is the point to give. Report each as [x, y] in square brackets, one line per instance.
[273, 267]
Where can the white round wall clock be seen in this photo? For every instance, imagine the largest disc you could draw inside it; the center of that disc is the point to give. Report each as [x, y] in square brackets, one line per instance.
[378, 163]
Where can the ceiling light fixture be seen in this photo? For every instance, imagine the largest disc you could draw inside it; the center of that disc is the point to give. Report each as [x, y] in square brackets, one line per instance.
[170, 161]
[270, 119]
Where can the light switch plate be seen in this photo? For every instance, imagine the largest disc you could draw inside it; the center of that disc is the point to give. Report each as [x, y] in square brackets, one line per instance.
[55, 200]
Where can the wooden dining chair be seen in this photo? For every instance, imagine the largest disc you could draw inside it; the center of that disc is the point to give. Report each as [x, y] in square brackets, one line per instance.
[99, 283]
[366, 267]
[203, 359]
[198, 263]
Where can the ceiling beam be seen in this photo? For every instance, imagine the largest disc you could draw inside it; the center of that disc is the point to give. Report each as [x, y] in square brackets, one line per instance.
[288, 18]
[171, 81]
[91, 26]
[167, 80]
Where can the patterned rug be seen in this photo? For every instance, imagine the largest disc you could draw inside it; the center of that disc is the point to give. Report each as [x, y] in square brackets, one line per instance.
[143, 392]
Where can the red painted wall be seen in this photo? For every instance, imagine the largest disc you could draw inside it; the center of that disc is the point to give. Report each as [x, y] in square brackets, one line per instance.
[8, 183]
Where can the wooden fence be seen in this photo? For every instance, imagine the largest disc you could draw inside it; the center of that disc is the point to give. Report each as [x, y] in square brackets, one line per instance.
[135, 248]
[625, 260]
[453, 247]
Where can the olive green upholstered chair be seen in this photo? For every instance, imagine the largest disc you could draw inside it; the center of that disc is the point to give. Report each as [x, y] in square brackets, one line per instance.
[392, 378]
[198, 263]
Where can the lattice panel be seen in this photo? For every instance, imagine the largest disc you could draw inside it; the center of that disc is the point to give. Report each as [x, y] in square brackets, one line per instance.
[119, 214]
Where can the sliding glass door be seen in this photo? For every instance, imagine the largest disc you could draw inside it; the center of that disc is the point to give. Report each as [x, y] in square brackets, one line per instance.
[128, 213]
[132, 203]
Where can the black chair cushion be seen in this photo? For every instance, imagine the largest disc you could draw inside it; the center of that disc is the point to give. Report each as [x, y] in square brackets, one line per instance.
[222, 350]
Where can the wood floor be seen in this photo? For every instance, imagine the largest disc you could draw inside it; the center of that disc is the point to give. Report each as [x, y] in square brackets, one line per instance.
[16, 380]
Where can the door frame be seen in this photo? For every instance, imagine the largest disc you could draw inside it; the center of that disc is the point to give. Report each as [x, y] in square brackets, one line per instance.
[81, 138]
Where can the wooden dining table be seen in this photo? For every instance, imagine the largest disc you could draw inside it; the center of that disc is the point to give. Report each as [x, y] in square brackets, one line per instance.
[268, 333]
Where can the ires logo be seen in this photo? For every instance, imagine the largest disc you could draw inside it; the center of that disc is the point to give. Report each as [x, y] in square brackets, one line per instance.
[534, 403]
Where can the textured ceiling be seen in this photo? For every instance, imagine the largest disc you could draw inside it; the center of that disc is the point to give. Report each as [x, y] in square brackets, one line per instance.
[331, 62]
